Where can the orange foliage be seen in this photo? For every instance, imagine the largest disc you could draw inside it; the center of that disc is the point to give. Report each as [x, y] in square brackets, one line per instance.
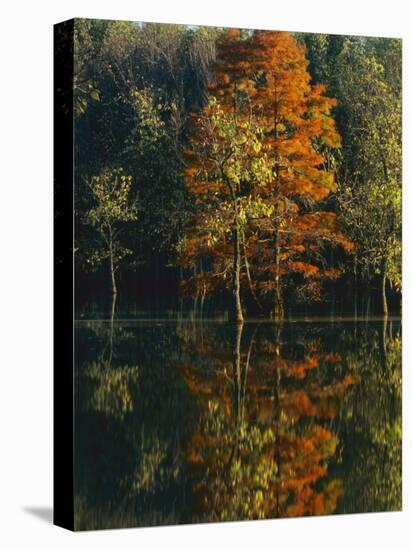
[264, 77]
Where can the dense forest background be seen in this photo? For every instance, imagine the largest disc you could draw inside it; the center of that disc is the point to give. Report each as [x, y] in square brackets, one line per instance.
[257, 172]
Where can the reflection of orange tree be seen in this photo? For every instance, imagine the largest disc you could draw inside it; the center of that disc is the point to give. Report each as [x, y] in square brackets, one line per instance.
[261, 444]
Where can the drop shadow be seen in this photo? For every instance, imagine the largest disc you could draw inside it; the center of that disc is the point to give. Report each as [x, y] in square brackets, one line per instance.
[42, 512]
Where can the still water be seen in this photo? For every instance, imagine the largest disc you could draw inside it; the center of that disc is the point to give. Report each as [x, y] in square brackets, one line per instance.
[190, 421]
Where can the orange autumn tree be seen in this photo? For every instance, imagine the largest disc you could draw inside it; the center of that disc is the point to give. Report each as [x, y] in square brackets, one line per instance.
[288, 219]
[275, 225]
[225, 165]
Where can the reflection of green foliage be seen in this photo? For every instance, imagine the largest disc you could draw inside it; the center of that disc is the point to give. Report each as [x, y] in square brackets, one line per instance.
[152, 471]
[258, 484]
[311, 426]
[113, 389]
[127, 455]
[261, 447]
[377, 434]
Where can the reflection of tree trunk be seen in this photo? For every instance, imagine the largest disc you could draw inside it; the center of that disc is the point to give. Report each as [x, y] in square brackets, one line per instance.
[276, 394]
[235, 313]
[355, 279]
[236, 337]
[108, 348]
[278, 311]
[249, 353]
[239, 387]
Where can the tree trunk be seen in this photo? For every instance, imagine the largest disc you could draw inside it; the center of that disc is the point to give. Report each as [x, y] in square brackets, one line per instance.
[249, 278]
[355, 303]
[383, 290]
[278, 311]
[112, 271]
[235, 313]
[355, 287]
[109, 362]
[202, 301]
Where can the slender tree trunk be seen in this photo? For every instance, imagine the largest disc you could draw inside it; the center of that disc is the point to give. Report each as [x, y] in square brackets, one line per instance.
[196, 296]
[112, 272]
[202, 301]
[355, 284]
[355, 303]
[383, 331]
[278, 311]
[249, 278]
[202, 291]
[235, 313]
[113, 309]
[332, 305]
[157, 281]
[383, 295]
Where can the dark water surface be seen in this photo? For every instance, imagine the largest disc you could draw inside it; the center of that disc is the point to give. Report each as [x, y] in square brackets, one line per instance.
[190, 421]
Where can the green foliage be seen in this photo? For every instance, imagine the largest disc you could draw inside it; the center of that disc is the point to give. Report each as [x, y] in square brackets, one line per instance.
[135, 89]
[226, 152]
[364, 74]
[112, 207]
[87, 42]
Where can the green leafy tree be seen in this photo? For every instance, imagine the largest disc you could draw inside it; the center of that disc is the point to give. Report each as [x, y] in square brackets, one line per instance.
[224, 165]
[113, 206]
[364, 74]
[370, 194]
